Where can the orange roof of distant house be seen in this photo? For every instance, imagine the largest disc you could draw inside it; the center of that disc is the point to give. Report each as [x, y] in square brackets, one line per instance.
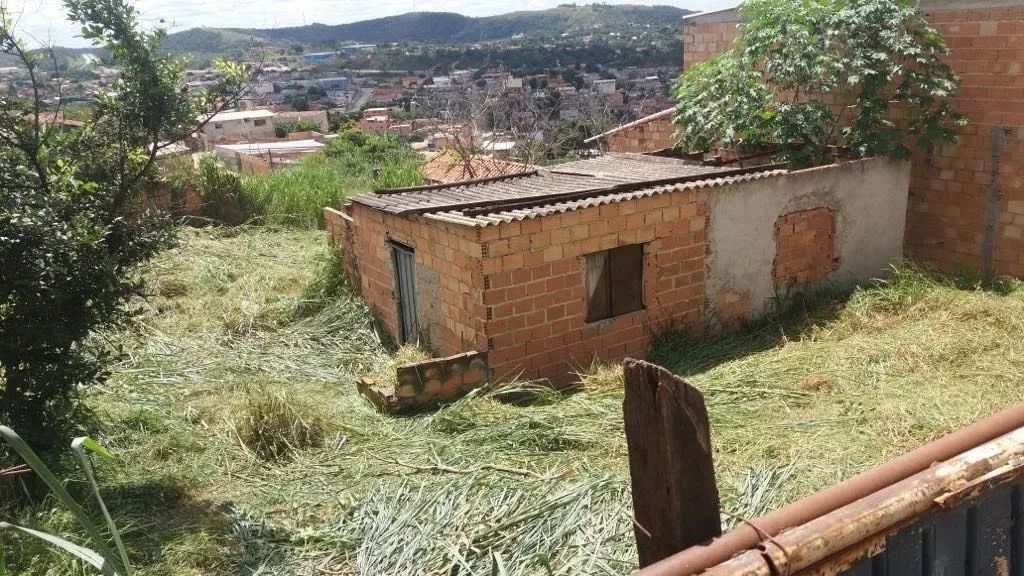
[445, 167]
[57, 119]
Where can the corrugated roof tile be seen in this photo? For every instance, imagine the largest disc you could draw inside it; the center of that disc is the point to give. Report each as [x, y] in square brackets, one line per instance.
[570, 186]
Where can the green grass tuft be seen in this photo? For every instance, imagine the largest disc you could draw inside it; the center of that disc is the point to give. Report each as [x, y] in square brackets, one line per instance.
[273, 425]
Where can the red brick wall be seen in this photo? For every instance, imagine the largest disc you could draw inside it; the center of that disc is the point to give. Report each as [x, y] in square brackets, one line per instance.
[449, 282]
[946, 216]
[535, 293]
[805, 247]
[643, 138]
[704, 39]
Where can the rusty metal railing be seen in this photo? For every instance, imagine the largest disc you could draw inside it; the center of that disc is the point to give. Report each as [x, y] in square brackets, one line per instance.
[830, 525]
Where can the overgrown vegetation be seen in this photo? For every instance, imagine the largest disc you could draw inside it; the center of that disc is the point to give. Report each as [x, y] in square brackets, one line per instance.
[354, 162]
[808, 75]
[522, 477]
[221, 191]
[72, 232]
[282, 129]
[273, 425]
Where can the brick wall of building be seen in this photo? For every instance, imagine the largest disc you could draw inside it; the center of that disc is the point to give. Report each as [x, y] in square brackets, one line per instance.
[641, 138]
[951, 190]
[707, 36]
[449, 282]
[535, 294]
[804, 247]
[712, 258]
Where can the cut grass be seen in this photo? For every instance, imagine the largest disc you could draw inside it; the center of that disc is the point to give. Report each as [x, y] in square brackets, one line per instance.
[521, 477]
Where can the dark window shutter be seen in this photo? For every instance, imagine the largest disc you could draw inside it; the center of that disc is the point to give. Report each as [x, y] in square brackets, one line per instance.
[599, 304]
[627, 279]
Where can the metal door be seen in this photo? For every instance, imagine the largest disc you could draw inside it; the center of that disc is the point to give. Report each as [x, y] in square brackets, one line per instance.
[404, 262]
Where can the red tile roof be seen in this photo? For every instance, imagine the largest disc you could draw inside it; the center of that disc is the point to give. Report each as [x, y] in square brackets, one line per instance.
[447, 167]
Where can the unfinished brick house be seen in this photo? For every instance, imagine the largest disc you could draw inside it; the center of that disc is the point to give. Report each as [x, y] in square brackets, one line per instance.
[550, 270]
[966, 207]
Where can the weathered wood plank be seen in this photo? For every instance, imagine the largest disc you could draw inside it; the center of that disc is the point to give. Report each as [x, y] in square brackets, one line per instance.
[675, 499]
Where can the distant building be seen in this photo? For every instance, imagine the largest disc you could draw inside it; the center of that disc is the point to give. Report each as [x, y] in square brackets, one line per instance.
[375, 120]
[356, 48]
[339, 97]
[446, 167]
[239, 125]
[314, 57]
[442, 82]
[261, 89]
[605, 87]
[339, 83]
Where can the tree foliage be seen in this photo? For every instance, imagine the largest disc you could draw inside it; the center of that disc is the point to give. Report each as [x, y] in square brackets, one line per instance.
[222, 192]
[809, 74]
[282, 129]
[73, 227]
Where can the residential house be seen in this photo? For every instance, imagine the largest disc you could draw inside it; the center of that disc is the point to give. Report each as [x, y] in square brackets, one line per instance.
[263, 157]
[337, 83]
[605, 87]
[375, 120]
[317, 116]
[550, 270]
[239, 125]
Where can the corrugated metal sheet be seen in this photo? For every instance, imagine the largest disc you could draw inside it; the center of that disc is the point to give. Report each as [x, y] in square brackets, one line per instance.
[499, 216]
[589, 182]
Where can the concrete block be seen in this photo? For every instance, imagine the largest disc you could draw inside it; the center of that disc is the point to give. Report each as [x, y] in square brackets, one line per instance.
[428, 384]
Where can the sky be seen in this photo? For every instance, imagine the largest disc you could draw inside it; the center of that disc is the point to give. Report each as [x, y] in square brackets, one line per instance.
[44, 20]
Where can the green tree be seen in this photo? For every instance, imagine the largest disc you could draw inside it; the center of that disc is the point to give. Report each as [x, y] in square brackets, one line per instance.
[282, 129]
[809, 74]
[73, 225]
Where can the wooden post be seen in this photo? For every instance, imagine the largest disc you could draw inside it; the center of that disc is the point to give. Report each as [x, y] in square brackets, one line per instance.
[675, 500]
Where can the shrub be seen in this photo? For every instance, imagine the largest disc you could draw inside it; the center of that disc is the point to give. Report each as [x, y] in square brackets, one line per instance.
[795, 58]
[73, 231]
[221, 189]
[282, 129]
[353, 163]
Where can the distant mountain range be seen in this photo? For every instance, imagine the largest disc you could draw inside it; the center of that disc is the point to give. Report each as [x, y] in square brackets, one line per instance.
[437, 28]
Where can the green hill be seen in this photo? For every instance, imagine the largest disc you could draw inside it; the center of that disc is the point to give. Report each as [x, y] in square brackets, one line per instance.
[439, 28]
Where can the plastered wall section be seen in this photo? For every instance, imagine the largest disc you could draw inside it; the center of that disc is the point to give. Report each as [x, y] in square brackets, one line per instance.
[866, 198]
[959, 190]
[449, 279]
[535, 287]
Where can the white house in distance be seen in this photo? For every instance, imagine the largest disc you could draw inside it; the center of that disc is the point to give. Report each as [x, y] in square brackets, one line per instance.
[239, 125]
